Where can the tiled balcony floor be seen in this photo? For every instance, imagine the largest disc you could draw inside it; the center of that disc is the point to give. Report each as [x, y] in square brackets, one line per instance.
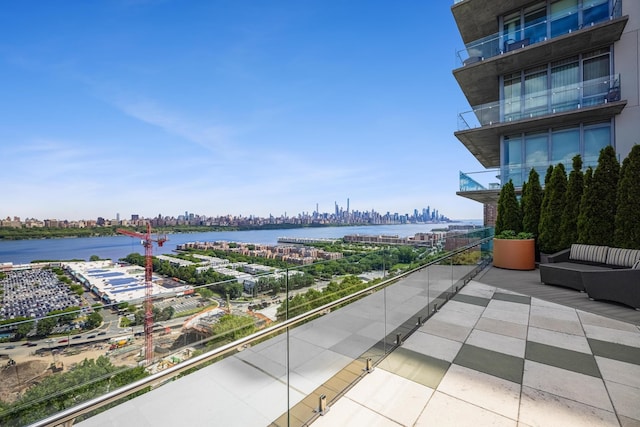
[506, 351]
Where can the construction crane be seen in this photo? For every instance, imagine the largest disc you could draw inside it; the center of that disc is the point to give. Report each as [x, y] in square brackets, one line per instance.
[147, 241]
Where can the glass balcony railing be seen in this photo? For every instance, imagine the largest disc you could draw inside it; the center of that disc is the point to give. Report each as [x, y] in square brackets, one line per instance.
[518, 173]
[559, 23]
[330, 329]
[536, 104]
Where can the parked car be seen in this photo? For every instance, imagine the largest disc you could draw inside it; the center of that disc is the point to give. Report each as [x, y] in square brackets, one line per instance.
[91, 336]
[75, 337]
[31, 344]
[102, 333]
[63, 340]
[9, 347]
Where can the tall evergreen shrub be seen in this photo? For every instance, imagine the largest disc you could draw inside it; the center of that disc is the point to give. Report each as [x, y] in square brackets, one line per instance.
[627, 223]
[553, 201]
[531, 203]
[575, 186]
[508, 210]
[599, 210]
[583, 219]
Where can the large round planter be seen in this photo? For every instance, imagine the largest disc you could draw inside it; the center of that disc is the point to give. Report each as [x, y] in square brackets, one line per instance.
[514, 254]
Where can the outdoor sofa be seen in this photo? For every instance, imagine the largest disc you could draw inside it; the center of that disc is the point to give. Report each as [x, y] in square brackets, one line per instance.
[605, 273]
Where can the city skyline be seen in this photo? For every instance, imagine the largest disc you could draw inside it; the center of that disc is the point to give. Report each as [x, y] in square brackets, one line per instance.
[425, 214]
[229, 107]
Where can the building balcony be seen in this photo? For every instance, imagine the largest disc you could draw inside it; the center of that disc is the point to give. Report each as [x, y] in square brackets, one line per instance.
[483, 60]
[481, 128]
[476, 19]
[453, 342]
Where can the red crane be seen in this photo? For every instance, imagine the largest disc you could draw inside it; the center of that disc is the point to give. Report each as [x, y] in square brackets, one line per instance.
[147, 242]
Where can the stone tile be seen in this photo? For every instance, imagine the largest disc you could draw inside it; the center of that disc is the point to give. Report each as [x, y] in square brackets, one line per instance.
[621, 352]
[619, 372]
[502, 296]
[485, 391]
[617, 336]
[509, 306]
[605, 322]
[496, 342]
[542, 321]
[556, 312]
[432, 345]
[562, 358]
[470, 299]
[570, 385]
[417, 367]
[346, 412]
[446, 411]
[519, 317]
[446, 330]
[538, 408]
[625, 399]
[628, 422]
[478, 289]
[491, 362]
[548, 304]
[559, 339]
[392, 396]
[502, 327]
[459, 314]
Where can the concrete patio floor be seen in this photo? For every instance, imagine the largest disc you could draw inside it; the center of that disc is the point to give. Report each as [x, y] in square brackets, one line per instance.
[507, 350]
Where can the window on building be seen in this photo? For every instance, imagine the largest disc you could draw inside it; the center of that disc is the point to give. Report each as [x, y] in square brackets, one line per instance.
[535, 23]
[565, 84]
[594, 11]
[564, 17]
[596, 137]
[538, 150]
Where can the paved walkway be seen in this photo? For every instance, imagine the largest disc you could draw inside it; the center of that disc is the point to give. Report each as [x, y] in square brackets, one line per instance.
[492, 356]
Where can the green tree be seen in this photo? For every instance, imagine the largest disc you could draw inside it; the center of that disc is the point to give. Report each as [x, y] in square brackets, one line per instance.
[508, 210]
[627, 222]
[598, 211]
[553, 201]
[582, 218]
[575, 188]
[531, 203]
[45, 326]
[94, 320]
[23, 329]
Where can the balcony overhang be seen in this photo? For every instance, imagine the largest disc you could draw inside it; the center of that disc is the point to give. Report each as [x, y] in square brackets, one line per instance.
[480, 81]
[484, 142]
[477, 18]
[481, 196]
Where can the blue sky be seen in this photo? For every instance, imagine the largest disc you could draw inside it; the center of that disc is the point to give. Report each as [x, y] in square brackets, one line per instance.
[229, 107]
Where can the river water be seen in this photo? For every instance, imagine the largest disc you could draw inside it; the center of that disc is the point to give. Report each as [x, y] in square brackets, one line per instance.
[116, 247]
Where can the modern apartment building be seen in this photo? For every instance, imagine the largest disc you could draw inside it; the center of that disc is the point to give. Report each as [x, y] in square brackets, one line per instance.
[546, 80]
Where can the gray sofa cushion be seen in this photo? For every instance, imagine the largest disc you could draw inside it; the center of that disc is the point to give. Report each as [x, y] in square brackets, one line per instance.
[622, 257]
[589, 253]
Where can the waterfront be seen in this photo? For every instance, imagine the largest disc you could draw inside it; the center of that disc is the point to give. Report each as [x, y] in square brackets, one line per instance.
[116, 247]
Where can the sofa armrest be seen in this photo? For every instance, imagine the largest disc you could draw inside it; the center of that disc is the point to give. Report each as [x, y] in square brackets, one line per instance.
[562, 256]
[621, 286]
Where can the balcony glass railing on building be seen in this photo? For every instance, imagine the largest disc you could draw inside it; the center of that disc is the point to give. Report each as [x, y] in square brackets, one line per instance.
[540, 103]
[535, 26]
[325, 339]
[518, 173]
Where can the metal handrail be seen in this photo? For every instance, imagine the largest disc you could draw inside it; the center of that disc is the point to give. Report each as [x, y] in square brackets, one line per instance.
[68, 415]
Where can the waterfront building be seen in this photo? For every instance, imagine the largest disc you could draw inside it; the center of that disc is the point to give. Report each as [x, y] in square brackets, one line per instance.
[546, 80]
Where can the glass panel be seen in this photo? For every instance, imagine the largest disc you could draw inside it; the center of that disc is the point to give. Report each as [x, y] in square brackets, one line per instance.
[595, 139]
[565, 87]
[595, 11]
[535, 92]
[564, 145]
[512, 160]
[596, 71]
[535, 26]
[536, 152]
[511, 30]
[564, 17]
[512, 96]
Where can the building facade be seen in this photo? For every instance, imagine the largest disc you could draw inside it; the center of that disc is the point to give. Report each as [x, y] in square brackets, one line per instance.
[546, 80]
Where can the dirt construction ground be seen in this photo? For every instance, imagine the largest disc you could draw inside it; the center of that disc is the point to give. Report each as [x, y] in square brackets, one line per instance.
[14, 380]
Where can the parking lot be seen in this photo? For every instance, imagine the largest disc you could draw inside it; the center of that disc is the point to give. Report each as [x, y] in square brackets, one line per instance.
[34, 293]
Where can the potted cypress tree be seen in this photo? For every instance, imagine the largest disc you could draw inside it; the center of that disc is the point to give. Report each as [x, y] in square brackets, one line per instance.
[553, 203]
[512, 248]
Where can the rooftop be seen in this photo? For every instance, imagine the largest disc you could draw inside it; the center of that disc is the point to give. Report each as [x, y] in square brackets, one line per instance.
[505, 350]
